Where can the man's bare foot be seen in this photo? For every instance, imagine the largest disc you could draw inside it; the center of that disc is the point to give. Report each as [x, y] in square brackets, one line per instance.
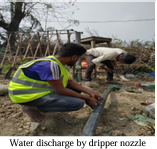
[33, 113]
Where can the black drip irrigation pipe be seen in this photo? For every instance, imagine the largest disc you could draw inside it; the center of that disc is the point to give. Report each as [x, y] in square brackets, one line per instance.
[93, 120]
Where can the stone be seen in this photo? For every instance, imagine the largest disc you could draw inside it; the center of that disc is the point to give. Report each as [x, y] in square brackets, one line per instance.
[26, 127]
[20, 129]
[2, 111]
[3, 89]
[150, 111]
[34, 126]
[134, 109]
[129, 75]
[107, 129]
[11, 110]
[8, 113]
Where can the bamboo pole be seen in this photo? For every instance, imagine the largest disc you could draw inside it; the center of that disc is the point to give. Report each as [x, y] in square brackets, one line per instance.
[48, 44]
[58, 39]
[7, 76]
[29, 46]
[19, 44]
[6, 49]
[37, 45]
[41, 55]
[57, 45]
[8, 45]
[78, 63]
[68, 35]
[31, 49]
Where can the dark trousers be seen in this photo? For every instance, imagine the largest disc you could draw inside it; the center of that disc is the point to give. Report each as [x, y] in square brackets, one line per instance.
[54, 102]
[91, 67]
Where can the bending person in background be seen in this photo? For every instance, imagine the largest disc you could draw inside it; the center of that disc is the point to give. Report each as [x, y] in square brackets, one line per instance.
[44, 85]
[106, 58]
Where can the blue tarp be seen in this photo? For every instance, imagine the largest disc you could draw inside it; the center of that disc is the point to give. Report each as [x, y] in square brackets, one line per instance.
[152, 74]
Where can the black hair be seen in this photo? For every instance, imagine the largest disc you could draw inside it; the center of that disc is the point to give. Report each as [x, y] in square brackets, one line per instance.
[129, 59]
[70, 49]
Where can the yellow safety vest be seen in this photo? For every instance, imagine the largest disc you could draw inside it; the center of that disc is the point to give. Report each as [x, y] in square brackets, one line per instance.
[23, 89]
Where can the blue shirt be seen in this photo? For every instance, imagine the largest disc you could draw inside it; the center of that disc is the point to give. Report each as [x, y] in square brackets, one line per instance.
[43, 70]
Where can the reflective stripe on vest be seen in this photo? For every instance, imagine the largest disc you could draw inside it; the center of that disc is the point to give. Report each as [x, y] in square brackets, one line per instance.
[24, 82]
[18, 92]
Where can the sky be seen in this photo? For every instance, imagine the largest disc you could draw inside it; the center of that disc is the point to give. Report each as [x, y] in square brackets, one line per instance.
[117, 11]
[109, 13]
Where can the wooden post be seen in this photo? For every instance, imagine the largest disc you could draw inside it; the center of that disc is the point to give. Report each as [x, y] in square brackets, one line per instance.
[48, 44]
[7, 76]
[29, 46]
[78, 63]
[58, 39]
[19, 44]
[8, 45]
[93, 46]
[37, 45]
[31, 49]
[6, 50]
[41, 55]
[68, 35]
[57, 43]
[109, 44]
[1, 65]
[47, 49]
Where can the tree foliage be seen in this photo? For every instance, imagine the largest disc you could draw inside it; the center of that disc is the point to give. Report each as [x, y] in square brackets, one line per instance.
[24, 15]
[116, 42]
[28, 16]
[91, 32]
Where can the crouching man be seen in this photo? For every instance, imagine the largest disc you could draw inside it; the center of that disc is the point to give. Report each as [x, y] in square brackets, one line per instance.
[45, 85]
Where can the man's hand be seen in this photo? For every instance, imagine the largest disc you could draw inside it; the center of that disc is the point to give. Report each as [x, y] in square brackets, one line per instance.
[117, 69]
[92, 102]
[95, 95]
[108, 70]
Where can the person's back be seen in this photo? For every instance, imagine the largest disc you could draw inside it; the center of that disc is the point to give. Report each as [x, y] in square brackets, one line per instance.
[106, 56]
[109, 53]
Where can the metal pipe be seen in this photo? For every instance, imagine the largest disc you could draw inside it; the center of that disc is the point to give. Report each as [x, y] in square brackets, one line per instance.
[78, 63]
[93, 120]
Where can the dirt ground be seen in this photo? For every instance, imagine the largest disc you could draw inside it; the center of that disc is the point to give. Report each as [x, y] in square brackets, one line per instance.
[113, 121]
